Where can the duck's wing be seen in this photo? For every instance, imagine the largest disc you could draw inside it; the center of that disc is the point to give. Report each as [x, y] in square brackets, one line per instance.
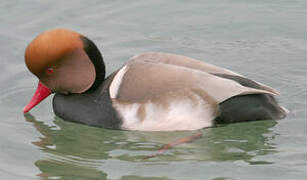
[140, 81]
[187, 62]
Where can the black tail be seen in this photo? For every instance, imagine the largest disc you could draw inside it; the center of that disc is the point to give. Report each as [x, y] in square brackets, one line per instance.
[250, 108]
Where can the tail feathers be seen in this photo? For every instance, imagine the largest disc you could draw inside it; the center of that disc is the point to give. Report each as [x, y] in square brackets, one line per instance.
[250, 108]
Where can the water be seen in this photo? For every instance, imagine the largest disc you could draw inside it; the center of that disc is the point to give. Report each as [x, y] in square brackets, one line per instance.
[264, 40]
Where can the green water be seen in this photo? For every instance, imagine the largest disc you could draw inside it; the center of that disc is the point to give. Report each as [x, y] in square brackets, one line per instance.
[264, 40]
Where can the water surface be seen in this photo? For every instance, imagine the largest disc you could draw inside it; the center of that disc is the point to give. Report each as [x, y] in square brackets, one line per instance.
[264, 40]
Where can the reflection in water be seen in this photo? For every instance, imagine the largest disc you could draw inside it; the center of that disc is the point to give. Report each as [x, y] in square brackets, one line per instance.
[81, 152]
[63, 161]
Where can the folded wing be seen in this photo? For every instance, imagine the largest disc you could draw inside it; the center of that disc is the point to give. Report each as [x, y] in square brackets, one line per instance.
[150, 75]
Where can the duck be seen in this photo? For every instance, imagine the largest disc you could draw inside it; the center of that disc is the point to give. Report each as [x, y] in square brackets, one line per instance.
[152, 91]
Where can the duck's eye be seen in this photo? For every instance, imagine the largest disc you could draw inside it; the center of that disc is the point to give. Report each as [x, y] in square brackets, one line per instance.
[49, 71]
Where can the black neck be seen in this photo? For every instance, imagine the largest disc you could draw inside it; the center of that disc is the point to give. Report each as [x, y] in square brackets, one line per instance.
[95, 56]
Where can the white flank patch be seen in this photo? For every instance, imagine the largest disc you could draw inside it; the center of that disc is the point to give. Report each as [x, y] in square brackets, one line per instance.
[180, 115]
[117, 80]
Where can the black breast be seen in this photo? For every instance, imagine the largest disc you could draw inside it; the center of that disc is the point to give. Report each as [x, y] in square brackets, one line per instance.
[93, 108]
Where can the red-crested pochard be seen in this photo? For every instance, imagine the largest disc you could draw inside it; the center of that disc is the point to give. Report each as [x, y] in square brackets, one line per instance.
[153, 91]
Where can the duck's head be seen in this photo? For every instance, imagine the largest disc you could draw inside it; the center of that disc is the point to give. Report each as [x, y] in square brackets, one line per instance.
[64, 62]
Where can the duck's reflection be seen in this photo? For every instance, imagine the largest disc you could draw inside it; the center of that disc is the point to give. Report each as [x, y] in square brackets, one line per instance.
[61, 147]
[81, 152]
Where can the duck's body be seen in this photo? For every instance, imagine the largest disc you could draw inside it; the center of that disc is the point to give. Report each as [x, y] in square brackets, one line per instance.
[164, 92]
